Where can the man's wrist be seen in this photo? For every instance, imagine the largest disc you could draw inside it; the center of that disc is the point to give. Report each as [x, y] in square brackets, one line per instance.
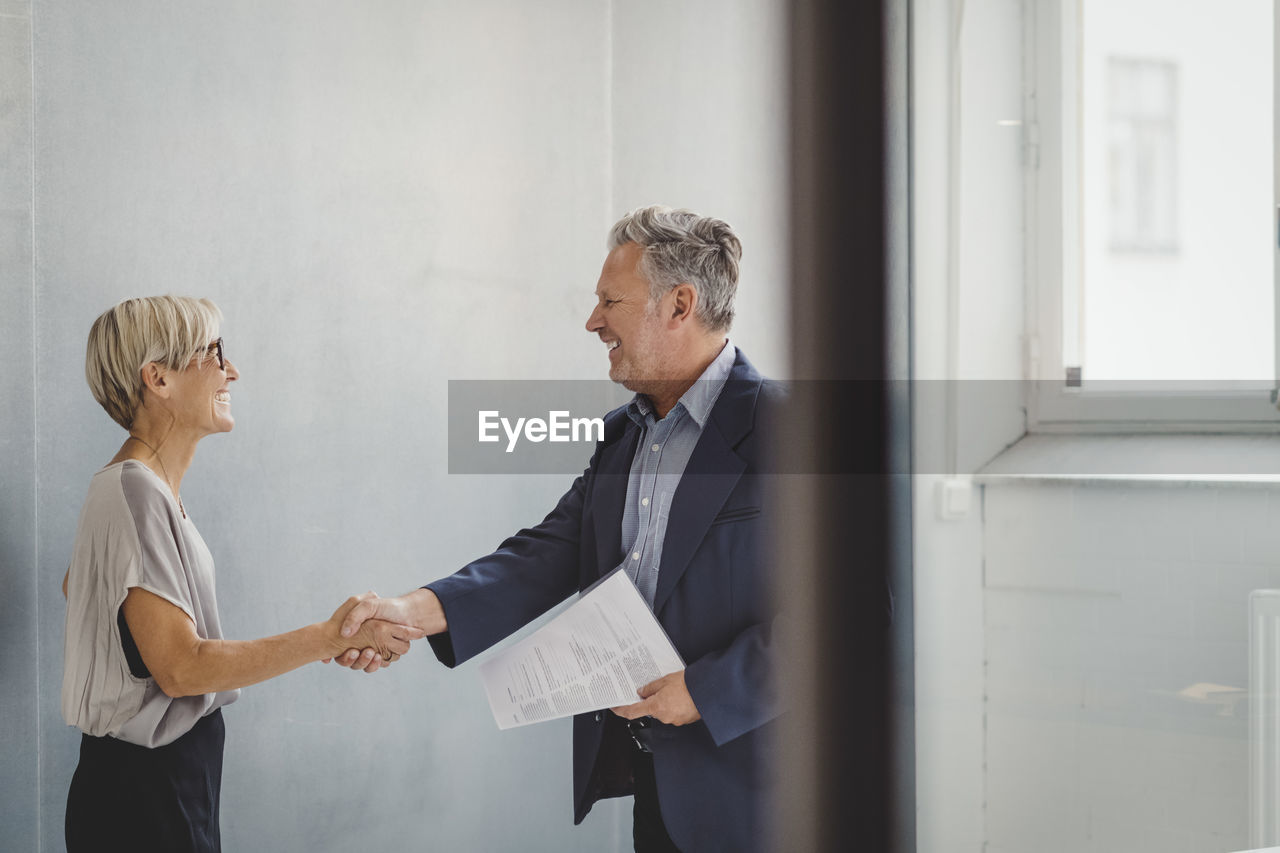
[426, 611]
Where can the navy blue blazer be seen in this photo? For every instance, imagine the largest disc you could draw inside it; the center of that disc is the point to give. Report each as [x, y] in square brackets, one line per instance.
[713, 598]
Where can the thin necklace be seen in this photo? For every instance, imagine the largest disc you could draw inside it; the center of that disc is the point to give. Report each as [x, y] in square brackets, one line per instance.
[167, 481]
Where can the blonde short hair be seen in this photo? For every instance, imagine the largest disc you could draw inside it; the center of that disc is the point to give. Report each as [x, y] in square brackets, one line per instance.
[170, 330]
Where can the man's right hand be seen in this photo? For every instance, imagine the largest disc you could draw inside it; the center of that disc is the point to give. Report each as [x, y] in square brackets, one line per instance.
[420, 609]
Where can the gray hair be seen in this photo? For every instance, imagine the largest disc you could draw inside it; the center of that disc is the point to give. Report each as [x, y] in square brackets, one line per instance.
[170, 330]
[681, 247]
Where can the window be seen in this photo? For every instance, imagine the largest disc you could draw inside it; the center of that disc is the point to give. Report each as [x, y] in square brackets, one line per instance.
[1152, 214]
[1141, 179]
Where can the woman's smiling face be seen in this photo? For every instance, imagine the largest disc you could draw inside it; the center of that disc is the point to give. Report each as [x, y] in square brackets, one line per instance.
[202, 393]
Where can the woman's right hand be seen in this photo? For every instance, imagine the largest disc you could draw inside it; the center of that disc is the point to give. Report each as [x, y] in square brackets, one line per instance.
[388, 639]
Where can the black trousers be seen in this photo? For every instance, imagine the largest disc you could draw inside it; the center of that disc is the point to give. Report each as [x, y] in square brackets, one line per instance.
[648, 832]
[127, 797]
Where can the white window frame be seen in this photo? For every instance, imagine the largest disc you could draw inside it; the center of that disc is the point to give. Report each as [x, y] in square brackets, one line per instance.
[1051, 60]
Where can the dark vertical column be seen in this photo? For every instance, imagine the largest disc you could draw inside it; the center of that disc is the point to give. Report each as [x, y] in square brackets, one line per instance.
[19, 676]
[845, 536]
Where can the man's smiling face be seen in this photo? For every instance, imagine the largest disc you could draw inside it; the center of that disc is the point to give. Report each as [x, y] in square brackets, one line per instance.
[627, 322]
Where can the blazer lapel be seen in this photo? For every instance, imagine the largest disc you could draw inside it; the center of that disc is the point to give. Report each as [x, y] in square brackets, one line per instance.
[711, 475]
[610, 494]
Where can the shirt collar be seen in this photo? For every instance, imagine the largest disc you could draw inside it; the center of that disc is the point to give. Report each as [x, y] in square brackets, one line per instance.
[701, 396]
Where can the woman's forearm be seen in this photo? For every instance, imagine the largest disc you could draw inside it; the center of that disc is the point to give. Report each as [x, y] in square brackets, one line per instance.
[186, 664]
[212, 666]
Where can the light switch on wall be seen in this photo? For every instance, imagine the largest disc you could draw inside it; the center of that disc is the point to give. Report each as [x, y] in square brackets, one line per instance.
[954, 497]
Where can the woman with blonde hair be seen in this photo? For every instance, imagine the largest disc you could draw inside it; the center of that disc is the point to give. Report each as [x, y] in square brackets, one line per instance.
[146, 670]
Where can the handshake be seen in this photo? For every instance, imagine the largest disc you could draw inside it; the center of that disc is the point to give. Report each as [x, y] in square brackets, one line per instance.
[368, 632]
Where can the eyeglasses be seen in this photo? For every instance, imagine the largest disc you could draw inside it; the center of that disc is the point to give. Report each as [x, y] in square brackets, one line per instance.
[215, 348]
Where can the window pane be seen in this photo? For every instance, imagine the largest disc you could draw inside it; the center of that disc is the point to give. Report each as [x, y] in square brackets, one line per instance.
[1176, 202]
[1142, 162]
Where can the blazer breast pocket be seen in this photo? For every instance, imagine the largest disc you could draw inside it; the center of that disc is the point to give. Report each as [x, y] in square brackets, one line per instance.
[740, 513]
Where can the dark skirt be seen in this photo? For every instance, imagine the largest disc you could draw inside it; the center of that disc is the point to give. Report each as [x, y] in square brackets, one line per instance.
[127, 797]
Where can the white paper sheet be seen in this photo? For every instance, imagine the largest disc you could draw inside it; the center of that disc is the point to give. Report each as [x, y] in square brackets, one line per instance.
[594, 655]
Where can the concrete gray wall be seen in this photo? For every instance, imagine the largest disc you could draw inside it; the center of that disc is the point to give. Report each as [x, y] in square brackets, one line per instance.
[381, 197]
[20, 675]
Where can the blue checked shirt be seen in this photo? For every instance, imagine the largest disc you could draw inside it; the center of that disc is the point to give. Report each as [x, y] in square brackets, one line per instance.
[661, 456]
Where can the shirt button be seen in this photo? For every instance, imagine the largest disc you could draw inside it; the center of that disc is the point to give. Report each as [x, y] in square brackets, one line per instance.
[644, 502]
[656, 448]
[636, 555]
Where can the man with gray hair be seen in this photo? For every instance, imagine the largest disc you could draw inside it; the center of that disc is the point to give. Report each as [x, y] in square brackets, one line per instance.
[671, 496]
